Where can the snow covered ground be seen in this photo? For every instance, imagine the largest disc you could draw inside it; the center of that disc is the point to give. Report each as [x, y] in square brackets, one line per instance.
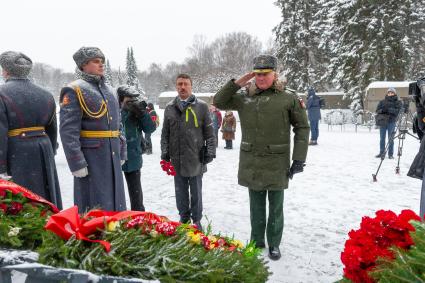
[321, 206]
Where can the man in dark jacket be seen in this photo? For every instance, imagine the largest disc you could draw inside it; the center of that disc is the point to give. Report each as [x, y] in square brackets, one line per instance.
[135, 119]
[313, 108]
[389, 106]
[28, 130]
[188, 140]
[90, 132]
[267, 110]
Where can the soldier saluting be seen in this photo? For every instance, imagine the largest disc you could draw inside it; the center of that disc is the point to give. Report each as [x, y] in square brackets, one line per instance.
[28, 130]
[267, 110]
[91, 137]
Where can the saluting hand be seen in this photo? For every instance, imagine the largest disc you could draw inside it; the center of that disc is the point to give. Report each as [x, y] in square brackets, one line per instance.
[244, 80]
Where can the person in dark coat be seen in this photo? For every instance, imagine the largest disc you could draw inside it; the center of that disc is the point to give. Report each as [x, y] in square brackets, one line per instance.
[267, 112]
[216, 119]
[155, 118]
[135, 120]
[28, 130]
[188, 140]
[390, 106]
[313, 109]
[229, 129]
[417, 168]
[90, 129]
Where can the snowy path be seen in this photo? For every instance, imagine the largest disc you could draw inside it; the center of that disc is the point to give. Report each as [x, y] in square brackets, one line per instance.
[321, 206]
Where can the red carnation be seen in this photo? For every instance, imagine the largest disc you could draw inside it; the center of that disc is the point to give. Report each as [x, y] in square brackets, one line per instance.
[15, 208]
[373, 240]
[3, 207]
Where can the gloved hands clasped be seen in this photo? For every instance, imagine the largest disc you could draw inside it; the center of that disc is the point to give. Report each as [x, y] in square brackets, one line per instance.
[208, 158]
[296, 167]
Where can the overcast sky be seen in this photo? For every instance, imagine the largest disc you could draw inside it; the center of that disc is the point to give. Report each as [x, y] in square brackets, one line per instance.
[159, 31]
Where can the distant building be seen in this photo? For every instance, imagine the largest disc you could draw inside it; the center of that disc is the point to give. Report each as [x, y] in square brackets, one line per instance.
[376, 91]
[167, 96]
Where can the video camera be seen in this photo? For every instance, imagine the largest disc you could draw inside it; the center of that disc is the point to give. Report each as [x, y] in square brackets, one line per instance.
[417, 92]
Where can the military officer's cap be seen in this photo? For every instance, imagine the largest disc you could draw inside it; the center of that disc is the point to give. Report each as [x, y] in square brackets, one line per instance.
[127, 91]
[265, 63]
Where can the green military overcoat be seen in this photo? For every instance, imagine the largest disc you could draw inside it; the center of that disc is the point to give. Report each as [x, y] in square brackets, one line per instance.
[266, 118]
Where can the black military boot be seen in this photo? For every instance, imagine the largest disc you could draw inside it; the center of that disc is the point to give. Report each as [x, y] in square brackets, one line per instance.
[274, 253]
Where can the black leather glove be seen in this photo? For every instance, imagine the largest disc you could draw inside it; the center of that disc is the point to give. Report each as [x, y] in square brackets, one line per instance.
[296, 167]
[208, 158]
[165, 156]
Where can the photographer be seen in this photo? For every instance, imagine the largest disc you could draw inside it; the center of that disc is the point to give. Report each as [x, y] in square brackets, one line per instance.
[387, 112]
[135, 119]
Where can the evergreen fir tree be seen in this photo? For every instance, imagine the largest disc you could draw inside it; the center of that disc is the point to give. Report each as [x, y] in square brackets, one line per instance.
[108, 74]
[374, 44]
[120, 77]
[131, 68]
[298, 38]
[415, 30]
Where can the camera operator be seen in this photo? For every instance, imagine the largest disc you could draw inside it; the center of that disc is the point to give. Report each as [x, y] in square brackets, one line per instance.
[135, 119]
[387, 111]
[417, 91]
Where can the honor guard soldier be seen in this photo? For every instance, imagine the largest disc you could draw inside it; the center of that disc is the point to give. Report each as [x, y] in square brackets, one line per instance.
[90, 132]
[28, 130]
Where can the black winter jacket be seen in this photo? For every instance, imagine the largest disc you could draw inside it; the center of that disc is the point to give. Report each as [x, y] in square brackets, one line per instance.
[391, 105]
[184, 133]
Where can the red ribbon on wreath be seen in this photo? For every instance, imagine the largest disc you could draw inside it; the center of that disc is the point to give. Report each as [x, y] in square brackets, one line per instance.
[68, 223]
[16, 189]
[168, 167]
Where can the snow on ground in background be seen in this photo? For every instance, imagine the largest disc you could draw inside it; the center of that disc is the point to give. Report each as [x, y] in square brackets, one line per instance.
[321, 205]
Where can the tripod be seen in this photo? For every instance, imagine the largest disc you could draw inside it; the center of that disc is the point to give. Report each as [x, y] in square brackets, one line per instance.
[401, 126]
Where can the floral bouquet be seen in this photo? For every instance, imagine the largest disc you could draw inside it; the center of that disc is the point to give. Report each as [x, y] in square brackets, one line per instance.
[22, 216]
[381, 245]
[147, 246]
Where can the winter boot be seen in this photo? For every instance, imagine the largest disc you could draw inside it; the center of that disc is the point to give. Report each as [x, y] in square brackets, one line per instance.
[274, 253]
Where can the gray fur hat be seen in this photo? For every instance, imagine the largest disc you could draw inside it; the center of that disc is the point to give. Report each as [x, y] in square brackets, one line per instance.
[84, 54]
[16, 64]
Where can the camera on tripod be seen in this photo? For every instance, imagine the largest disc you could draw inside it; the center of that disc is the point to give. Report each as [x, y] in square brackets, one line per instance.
[405, 121]
[417, 92]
